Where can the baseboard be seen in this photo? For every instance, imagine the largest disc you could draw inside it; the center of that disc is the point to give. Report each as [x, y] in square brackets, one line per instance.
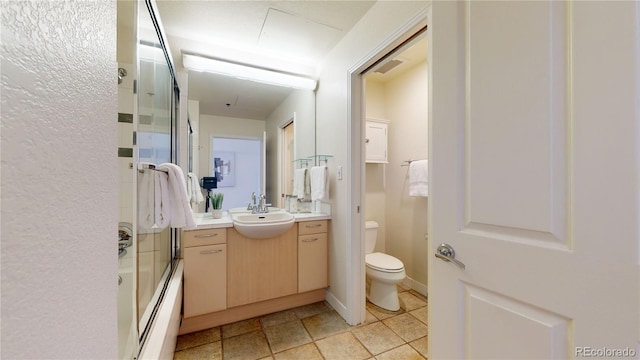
[415, 285]
[336, 304]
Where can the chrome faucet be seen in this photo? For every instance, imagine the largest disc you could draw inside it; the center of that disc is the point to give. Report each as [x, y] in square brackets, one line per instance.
[259, 208]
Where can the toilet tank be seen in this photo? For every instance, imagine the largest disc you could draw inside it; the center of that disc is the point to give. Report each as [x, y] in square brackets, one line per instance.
[370, 236]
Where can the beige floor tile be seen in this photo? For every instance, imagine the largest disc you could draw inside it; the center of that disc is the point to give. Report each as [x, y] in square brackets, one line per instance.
[381, 313]
[420, 345]
[404, 352]
[240, 327]
[277, 318]
[377, 337]
[311, 309]
[198, 338]
[211, 351]
[342, 347]
[406, 326]
[410, 302]
[325, 324]
[248, 346]
[370, 318]
[304, 352]
[421, 314]
[286, 336]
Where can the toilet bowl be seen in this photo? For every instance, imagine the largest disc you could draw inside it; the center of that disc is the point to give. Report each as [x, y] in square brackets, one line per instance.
[384, 272]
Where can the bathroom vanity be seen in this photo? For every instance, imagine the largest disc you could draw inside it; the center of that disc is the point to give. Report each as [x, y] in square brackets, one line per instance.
[230, 277]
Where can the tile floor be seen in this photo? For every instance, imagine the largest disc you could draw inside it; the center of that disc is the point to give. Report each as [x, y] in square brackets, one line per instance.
[316, 331]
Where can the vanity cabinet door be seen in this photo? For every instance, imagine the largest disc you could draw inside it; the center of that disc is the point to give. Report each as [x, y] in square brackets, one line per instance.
[313, 271]
[205, 279]
[261, 269]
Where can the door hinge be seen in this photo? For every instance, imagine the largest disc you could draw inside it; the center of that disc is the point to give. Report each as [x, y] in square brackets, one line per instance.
[358, 209]
[135, 86]
[134, 138]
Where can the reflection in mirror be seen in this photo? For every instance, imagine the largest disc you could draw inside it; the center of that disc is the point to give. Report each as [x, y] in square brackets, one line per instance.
[230, 108]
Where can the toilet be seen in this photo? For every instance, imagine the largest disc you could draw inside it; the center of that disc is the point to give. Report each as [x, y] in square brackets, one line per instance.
[384, 272]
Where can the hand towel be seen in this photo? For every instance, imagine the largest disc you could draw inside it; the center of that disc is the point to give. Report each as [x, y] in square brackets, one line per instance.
[162, 200]
[145, 199]
[300, 180]
[193, 189]
[419, 178]
[181, 214]
[319, 183]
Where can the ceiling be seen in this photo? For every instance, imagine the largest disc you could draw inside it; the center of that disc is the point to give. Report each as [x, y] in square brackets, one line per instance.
[292, 36]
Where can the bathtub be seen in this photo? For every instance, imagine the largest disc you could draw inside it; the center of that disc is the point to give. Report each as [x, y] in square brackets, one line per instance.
[127, 335]
[162, 338]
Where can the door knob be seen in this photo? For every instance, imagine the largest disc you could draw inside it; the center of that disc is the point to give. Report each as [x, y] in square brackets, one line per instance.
[446, 253]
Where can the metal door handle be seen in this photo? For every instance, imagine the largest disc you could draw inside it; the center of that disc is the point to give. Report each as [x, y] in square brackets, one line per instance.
[446, 253]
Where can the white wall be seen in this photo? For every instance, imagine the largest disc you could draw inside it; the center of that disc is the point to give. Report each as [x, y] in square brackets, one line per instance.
[59, 180]
[333, 120]
[375, 198]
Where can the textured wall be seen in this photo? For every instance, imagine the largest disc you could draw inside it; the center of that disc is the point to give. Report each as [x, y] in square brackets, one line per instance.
[59, 188]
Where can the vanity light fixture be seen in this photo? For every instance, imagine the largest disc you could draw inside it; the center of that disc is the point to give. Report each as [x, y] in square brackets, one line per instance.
[247, 72]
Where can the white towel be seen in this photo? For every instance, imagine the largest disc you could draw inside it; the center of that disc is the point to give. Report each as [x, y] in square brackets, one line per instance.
[163, 200]
[145, 200]
[300, 183]
[193, 189]
[319, 183]
[419, 178]
[181, 214]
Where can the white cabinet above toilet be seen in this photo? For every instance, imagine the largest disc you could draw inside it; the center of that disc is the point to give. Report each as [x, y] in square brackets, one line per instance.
[376, 140]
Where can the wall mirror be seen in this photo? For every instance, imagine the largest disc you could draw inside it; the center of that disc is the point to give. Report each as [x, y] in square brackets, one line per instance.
[229, 108]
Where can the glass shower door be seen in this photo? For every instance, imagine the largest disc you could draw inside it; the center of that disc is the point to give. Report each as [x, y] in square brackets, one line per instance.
[154, 146]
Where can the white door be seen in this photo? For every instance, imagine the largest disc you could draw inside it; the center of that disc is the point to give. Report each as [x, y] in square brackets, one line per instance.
[534, 179]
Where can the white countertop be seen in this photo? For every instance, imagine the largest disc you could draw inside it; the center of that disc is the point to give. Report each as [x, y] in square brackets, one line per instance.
[206, 220]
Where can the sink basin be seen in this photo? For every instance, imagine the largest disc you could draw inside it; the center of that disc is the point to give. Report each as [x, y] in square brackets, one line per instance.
[262, 226]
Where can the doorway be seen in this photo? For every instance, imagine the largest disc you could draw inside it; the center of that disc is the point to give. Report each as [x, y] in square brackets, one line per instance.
[356, 278]
[396, 138]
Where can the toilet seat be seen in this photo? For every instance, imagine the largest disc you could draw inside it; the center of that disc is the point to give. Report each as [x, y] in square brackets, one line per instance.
[383, 262]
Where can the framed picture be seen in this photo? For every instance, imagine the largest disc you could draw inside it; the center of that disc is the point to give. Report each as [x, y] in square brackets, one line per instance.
[224, 168]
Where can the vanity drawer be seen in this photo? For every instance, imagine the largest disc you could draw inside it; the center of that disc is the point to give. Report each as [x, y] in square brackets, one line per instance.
[312, 227]
[204, 237]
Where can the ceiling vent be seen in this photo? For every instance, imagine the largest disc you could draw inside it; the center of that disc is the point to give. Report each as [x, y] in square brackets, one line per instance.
[388, 66]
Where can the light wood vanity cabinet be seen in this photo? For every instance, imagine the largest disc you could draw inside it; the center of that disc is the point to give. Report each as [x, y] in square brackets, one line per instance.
[205, 271]
[313, 269]
[229, 277]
